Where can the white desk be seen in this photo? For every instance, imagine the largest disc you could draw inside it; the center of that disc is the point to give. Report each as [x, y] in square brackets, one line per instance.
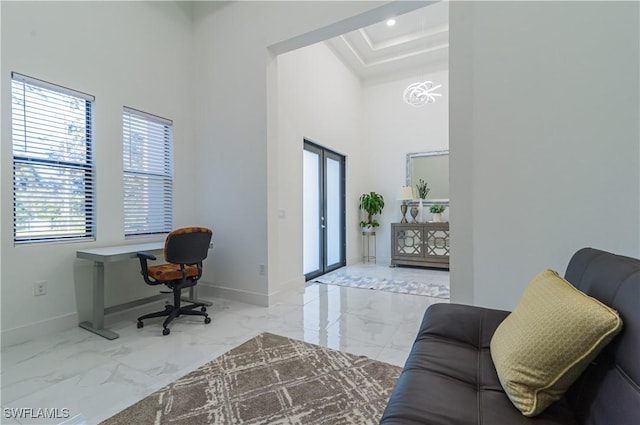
[111, 254]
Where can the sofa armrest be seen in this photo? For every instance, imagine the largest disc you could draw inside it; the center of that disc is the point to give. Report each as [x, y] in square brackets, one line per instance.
[463, 323]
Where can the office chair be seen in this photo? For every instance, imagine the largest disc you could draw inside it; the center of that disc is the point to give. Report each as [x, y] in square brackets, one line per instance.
[184, 251]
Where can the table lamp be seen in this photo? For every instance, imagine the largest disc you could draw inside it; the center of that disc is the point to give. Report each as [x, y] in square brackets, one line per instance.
[406, 194]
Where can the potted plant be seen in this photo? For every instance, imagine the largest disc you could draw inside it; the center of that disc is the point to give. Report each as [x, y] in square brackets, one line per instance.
[423, 191]
[372, 203]
[422, 188]
[437, 211]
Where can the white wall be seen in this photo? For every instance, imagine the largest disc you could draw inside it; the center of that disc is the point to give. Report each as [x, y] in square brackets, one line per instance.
[544, 140]
[391, 130]
[236, 125]
[124, 53]
[141, 54]
[543, 124]
[320, 100]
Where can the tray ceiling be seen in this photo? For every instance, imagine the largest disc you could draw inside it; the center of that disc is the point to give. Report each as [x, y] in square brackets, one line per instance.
[417, 43]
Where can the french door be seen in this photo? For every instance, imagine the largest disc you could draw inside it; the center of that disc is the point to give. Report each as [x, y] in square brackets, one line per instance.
[323, 210]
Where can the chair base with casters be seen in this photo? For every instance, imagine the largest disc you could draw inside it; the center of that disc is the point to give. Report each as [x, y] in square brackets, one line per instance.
[184, 250]
[171, 312]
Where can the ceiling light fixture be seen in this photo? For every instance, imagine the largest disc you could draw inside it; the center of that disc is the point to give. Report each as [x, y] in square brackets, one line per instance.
[391, 22]
[419, 94]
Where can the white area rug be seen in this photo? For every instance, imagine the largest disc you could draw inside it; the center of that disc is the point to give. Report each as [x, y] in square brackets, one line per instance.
[392, 285]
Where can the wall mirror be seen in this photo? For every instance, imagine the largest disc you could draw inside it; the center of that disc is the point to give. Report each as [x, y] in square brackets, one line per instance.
[433, 168]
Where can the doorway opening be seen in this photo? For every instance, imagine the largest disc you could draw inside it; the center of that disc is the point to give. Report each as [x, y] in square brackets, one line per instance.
[356, 110]
[324, 241]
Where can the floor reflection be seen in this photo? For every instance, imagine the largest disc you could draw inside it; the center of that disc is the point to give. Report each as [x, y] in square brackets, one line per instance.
[97, 378]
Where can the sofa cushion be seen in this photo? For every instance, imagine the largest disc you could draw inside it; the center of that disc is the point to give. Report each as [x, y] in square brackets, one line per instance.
[548, 340]
[449, 377]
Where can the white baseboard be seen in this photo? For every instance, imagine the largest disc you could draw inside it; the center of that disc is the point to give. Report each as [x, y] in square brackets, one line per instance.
[39, 329]
[379, 261]
[69, 321]
[208, 290]
[294, 285]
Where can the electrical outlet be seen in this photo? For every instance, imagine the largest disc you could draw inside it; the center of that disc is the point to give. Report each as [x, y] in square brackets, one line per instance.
[261, 269]
[40, 287]
[211, 245]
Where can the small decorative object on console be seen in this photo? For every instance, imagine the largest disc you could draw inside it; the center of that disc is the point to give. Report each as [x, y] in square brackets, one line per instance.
[437, 211]
[405, 194]
[422, 188]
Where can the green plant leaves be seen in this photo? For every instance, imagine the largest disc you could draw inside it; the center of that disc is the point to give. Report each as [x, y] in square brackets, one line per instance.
[372, 203]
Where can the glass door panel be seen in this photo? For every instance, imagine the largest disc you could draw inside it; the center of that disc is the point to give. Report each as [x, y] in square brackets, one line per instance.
[333, 220]
[311, 212]
[323, 210]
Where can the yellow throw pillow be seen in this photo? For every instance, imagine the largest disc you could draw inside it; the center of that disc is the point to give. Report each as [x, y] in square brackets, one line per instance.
[548, 340]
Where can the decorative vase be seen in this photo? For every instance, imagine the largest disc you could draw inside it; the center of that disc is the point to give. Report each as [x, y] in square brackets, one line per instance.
[437, 217]
[414, 214]
[421, 218]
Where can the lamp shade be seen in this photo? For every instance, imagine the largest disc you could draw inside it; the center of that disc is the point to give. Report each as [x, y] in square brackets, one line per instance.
[405, 194]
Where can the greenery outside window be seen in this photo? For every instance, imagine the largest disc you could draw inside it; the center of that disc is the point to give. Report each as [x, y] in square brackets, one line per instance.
[53, 169]
[148, 173]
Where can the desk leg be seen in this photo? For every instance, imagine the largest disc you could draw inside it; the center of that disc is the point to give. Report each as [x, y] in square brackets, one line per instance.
[193, 297]
[97, 326]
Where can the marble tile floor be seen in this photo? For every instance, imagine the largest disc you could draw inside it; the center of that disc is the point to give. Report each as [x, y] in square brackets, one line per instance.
[95, 378]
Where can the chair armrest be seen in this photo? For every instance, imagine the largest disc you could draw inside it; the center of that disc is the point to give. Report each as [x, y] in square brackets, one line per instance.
[143, 257]
[146, 256]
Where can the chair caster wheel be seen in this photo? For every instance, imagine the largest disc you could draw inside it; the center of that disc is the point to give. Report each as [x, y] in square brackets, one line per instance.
[140, 325]
[203, 309]
[165, 331]
[207, 320]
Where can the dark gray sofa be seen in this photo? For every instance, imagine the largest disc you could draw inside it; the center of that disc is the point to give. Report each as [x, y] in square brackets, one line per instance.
[449, 377]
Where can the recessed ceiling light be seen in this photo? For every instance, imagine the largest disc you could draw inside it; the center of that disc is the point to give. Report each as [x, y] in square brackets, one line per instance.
[391, 22]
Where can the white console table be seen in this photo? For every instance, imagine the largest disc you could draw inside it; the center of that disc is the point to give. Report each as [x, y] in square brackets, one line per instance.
[112, 254]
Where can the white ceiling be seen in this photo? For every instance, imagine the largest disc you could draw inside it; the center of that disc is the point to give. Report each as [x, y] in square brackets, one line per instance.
[417, 43]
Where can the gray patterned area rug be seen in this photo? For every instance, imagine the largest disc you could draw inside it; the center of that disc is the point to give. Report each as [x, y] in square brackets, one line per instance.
[271, 379]
[392, 285]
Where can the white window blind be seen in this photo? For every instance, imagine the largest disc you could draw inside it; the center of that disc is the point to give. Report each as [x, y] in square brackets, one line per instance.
[148, 173]
[53, 170]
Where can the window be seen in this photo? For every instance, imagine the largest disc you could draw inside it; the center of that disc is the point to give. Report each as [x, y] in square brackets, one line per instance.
[148, 173]
[53, 171]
